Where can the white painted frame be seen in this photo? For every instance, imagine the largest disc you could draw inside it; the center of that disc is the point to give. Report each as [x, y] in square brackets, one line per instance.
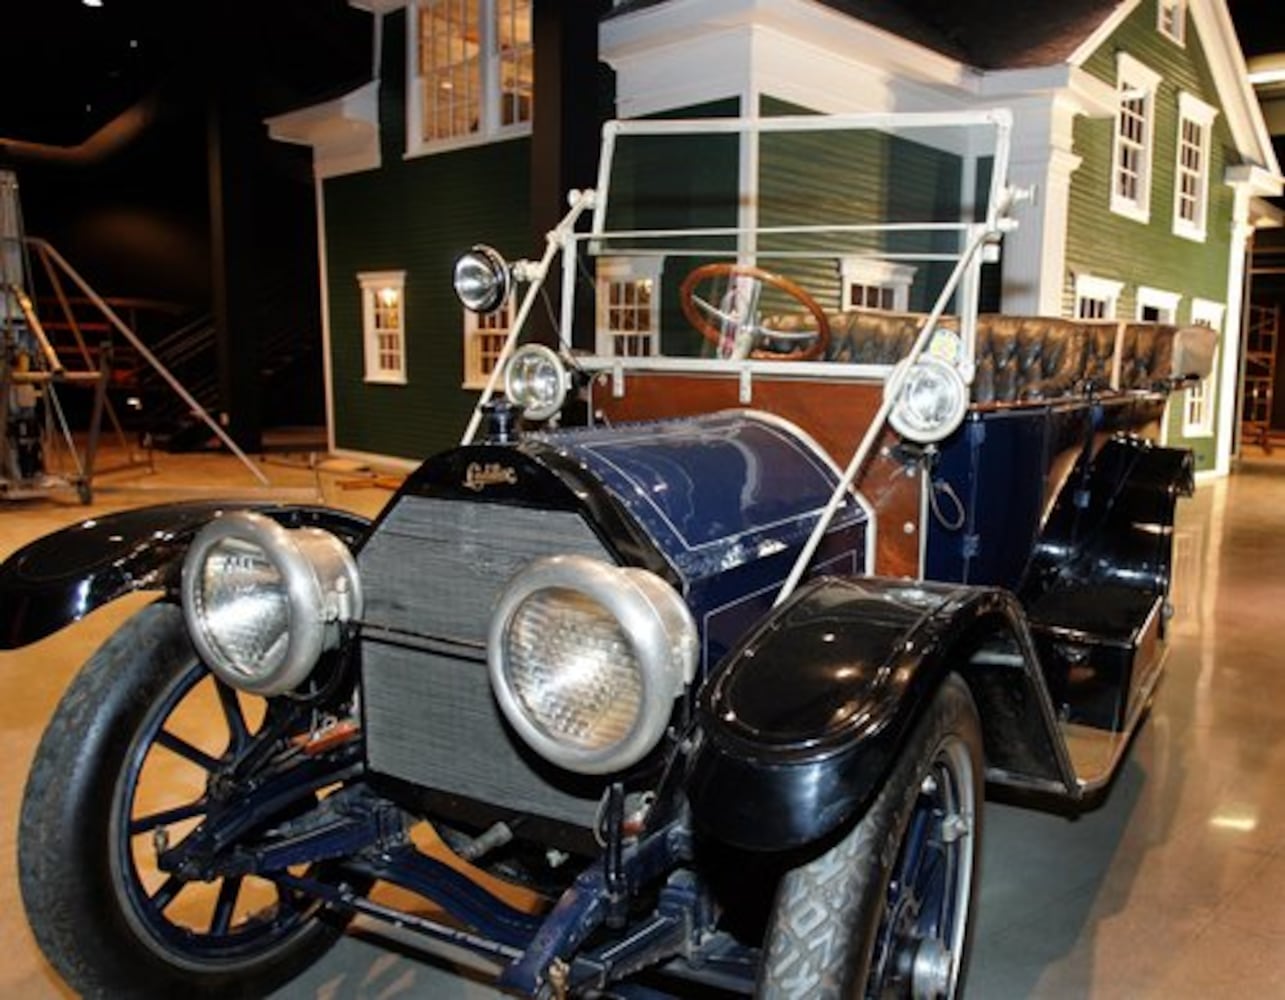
[372, 283]
[621, 270]
[1134, 79]
[475, 376]
[1171, 20]
[1164, 302]
[1202, 398]
[1096, 288]
[489, 128]
[883, 274]
[1201, 115]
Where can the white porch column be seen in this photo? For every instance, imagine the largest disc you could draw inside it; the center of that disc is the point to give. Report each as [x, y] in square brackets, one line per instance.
[1246, 181]
[1035, 253]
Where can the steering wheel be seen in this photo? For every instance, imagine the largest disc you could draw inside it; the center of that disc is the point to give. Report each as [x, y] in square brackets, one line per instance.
[732, 325]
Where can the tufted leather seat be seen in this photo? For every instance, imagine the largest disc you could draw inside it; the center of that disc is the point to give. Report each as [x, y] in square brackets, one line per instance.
[1099, 353]
[1019, 358]
[860, 337]
[1027, 357]
[1146, 355]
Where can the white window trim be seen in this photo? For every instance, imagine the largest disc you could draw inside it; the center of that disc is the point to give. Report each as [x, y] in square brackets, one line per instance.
[1195, 110]
[1163, 302]
[1090, 286]
[474, 377]
[1133, 76]
[881, 273]
[611, 269]
[1179, 7]
[371, 283]
[1210, 313]
[490, 130]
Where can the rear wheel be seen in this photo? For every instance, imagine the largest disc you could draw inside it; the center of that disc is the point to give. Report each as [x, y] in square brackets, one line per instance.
[885, 912]
[136, 752]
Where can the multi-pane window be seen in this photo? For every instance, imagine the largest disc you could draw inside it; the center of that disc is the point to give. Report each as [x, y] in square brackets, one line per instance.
[1198, 400]
[384, 325]
[484, 337]
[1171, 19]
[1157, 306]
[1088, 307]
[1191, 178]
[628, 300]
[1095, 298]
[870, 297]
[474, 68]
[868, 283]
[1131, 172]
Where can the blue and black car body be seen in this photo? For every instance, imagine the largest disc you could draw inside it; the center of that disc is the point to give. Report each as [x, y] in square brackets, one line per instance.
[677, 694]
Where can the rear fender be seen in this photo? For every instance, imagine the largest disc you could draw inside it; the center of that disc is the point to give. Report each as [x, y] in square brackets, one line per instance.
[61, 577]
[799, 728]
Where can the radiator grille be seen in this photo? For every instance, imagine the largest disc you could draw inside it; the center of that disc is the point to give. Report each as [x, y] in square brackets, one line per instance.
[435, 567]
[431, 720]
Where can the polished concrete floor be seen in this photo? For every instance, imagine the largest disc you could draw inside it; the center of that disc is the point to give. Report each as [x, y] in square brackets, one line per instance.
[1173, 888]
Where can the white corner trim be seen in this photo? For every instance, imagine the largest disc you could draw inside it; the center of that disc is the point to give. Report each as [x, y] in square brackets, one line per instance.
[759, 46]
[1212, 21]
[343, 133]
[1264, 183]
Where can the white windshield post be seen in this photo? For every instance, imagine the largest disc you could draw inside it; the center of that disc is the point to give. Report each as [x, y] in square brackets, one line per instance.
[534, 274]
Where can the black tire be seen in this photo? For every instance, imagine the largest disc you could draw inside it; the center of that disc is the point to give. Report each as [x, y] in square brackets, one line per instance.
[848, 923]
[105, 930]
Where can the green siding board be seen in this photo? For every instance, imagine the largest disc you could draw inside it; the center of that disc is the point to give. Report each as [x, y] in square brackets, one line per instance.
[671, 182]
[855, 178]
[415, 215]
[1108, 245]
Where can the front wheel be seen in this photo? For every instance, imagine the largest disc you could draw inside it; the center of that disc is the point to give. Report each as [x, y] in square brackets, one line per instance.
[129, 765]
[885, 912]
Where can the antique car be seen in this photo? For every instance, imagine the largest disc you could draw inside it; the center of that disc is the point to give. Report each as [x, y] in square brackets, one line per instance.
[690, 666]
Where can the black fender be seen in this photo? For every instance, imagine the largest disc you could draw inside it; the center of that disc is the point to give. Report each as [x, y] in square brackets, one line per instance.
[799, 727]
[63, 576]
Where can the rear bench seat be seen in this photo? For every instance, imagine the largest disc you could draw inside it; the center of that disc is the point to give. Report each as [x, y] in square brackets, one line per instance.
[1024, 358]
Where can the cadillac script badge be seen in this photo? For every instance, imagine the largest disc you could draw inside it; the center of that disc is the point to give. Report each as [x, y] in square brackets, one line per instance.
[478, 477]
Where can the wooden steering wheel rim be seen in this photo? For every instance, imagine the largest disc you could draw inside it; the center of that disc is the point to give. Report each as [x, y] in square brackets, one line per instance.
[796, 291]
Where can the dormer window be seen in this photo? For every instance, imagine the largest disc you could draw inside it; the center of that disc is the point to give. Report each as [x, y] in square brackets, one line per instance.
[1134, 128]
[1171, 20]
[472, 72]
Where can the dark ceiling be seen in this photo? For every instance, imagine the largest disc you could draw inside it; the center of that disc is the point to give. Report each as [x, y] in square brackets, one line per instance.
[70, 68]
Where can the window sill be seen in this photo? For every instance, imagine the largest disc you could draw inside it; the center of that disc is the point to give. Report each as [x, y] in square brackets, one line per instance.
[385, 379]
[1189, 233]
[1130, 210]
[466, 142]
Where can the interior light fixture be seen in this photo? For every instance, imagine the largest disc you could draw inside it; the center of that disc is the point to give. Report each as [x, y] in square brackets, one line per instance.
[92, 3]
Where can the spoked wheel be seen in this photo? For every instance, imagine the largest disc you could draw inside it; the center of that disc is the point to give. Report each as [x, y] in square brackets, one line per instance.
[920, 944]
[144, 746]
[864, 920]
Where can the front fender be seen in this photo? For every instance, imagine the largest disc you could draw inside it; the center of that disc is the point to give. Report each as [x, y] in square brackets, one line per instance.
[61, 577]
[800, 726]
